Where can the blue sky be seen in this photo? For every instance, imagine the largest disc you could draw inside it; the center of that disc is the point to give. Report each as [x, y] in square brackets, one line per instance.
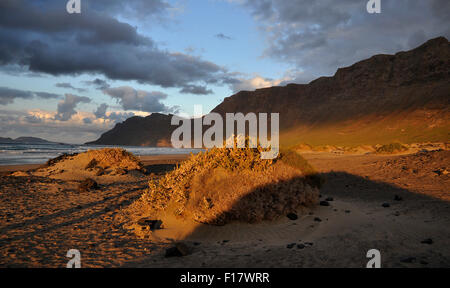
[143, 56]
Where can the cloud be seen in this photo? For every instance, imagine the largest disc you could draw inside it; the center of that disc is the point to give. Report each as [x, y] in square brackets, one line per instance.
[317, 37]
[40, 123]
[118, 117]
[197, 90]
[87, 121]
[98, 83]
[257, 82]
[69, 86]
[101, 111]
[8, 95]
[32, 119]
[142, 9]
[138, 100]
[46, 40]
[66, 107]
[223, 36]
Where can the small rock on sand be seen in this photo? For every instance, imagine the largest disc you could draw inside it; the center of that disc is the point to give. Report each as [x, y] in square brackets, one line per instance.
[88, 185]
[152, 224]
[408, 260]
[179, 250]
[292, 216]
[324, 203]
[428, 241]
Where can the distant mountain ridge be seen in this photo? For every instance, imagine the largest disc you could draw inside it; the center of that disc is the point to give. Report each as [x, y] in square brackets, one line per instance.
[25, 140]
[402, 97]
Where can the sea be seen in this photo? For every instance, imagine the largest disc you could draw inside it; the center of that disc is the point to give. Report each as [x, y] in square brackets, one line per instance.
[20, 154]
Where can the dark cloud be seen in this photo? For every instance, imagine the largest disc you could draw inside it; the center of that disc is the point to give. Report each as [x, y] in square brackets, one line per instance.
[320, 36]
[98, 84]
[223, 36]
[135, 8]
[197, 90]
[7, 95]
[118, 117]
[69, 86]
[46, 39]
[87, 121]
[101, 111]
[66, 107]
[32, 119]
[138, 100]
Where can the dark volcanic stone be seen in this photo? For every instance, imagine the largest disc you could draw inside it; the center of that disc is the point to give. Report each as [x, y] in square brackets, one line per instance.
[386, 205]
[408, 260]
[428, 241]
[301, 246]
[324, 203]
[329, 199]
[179, 250]
[290, 246]
[292, 216]
[317, 219]
[91, 165]
[88, 185]
[398, 198]
[152, 224]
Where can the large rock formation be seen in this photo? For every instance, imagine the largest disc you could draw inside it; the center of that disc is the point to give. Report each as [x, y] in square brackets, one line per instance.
[154, 130]
[402, 97]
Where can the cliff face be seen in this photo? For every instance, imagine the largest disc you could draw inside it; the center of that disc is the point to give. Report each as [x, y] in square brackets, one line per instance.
[401, 97]
[380, 85]
[154, 130]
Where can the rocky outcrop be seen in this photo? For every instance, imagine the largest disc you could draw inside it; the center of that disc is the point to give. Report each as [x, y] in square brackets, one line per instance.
[154, 130]
[402, 97]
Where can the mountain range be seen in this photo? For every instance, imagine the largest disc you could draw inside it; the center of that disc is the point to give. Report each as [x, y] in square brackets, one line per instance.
[25, 140]
[383, 99]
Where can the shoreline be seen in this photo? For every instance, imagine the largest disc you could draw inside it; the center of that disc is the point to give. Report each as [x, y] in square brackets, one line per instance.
[146, 160]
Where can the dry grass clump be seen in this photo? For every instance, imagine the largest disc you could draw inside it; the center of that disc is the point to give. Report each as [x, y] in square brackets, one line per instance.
[391, 148]
[113, 158]
[222, 185]
[94, 163]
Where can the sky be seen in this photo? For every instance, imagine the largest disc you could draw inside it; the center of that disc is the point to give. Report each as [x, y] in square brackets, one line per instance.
[71, 77]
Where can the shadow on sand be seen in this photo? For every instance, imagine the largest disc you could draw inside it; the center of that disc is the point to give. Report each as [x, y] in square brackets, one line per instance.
[343, 187]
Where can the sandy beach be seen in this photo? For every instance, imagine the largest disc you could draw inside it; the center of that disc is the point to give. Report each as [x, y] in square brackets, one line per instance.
[396, 204]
